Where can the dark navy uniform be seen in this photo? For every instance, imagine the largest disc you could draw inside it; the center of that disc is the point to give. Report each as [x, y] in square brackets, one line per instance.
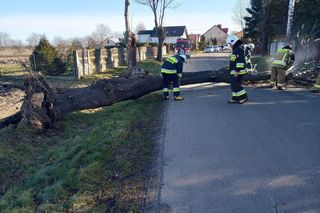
[170, 70]
[237, 70]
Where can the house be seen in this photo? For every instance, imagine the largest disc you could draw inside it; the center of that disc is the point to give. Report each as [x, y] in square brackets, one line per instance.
[239, 34]
[172, 33]
[144, 36]
[111, 42]
[216, 34]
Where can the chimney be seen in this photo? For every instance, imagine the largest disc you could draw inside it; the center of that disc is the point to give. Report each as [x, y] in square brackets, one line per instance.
[219, 26]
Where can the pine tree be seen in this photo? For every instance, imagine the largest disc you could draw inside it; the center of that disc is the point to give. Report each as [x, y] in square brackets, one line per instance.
[278, 19]
[266, 21]
[306, 19]
[253, 21]
[46, 59]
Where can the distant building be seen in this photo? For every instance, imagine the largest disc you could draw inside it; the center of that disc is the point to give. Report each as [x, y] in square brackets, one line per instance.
[216, 34]
[144, 36]
[239, 34]
[172, 33]
[111, 42]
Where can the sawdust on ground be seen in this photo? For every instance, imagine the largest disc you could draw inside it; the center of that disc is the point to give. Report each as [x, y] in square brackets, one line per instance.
[10, 101]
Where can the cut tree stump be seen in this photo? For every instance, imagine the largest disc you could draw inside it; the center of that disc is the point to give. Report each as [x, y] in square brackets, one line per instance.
[44, 106]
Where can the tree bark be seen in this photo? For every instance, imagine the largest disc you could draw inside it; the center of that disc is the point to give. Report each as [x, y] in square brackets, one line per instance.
[161, 38]
[130, 42]
[44, 106]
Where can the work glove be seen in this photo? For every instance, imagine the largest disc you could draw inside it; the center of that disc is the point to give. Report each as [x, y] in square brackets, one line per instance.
[180, 75]
[236, 75]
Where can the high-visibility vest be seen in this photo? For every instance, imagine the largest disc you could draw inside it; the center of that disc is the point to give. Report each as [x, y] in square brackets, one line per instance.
[282, 58]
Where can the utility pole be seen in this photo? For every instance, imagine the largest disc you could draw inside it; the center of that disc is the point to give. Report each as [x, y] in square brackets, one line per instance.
[290, 18]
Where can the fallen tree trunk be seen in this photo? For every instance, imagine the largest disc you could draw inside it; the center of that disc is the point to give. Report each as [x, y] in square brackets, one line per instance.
[44, 106]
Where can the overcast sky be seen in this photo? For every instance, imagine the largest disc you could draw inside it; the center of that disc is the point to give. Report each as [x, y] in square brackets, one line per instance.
[77, 18]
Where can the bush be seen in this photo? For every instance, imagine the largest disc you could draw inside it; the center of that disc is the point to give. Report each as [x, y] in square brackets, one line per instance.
[45, 59]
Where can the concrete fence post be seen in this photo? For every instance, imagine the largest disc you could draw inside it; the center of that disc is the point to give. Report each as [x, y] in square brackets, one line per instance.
[115, 57]
[122, 56]
[89, 70]
[83, 57]
[77, 66]
[98, 60]
[109, 58]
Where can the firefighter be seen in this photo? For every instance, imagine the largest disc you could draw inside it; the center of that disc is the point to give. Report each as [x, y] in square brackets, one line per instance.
[283, 60]
[248, 49]
[237, 70]
[316, 46]
[316, 86]
[171, 71]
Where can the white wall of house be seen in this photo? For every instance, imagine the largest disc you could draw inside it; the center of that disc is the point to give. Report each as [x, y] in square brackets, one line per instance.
[110, 43]
[217, 33]
[171, 40]
[145, 38]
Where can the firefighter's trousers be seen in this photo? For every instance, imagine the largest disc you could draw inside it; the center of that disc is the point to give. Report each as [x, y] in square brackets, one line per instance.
[238, 92]
[278, 76]
[167, 81]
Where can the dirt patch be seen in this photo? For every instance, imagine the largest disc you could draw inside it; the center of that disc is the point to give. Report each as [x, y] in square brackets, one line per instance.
[10, 101]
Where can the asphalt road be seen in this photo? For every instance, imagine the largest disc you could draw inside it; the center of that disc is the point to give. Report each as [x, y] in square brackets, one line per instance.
[259, 157]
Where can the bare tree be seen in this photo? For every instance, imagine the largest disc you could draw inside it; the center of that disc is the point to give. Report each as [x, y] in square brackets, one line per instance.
[34, 39]
[4, 41]
[140, 26]
[131, 42]
[59, 42]
[239, 12]
[158, 8]
[101, 34]
[89, 42]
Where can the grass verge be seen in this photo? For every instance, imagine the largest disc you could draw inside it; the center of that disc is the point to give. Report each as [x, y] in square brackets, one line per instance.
[98, 162]
[15, 74]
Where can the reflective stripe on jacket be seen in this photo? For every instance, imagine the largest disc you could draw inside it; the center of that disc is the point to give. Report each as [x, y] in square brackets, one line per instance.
[238, 60]
[172, 65]
[282, 58]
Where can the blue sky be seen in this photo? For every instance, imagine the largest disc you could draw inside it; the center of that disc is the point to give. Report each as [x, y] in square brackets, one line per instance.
[78, 18]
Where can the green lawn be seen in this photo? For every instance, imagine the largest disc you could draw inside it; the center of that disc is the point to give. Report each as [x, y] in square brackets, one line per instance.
[15, 74]
[97, 161]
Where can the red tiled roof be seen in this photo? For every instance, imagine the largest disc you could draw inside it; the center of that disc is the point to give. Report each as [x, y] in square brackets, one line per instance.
[225, 30]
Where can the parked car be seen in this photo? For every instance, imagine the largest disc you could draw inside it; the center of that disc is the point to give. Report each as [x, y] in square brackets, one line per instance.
[212, 48]
[225, 47]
